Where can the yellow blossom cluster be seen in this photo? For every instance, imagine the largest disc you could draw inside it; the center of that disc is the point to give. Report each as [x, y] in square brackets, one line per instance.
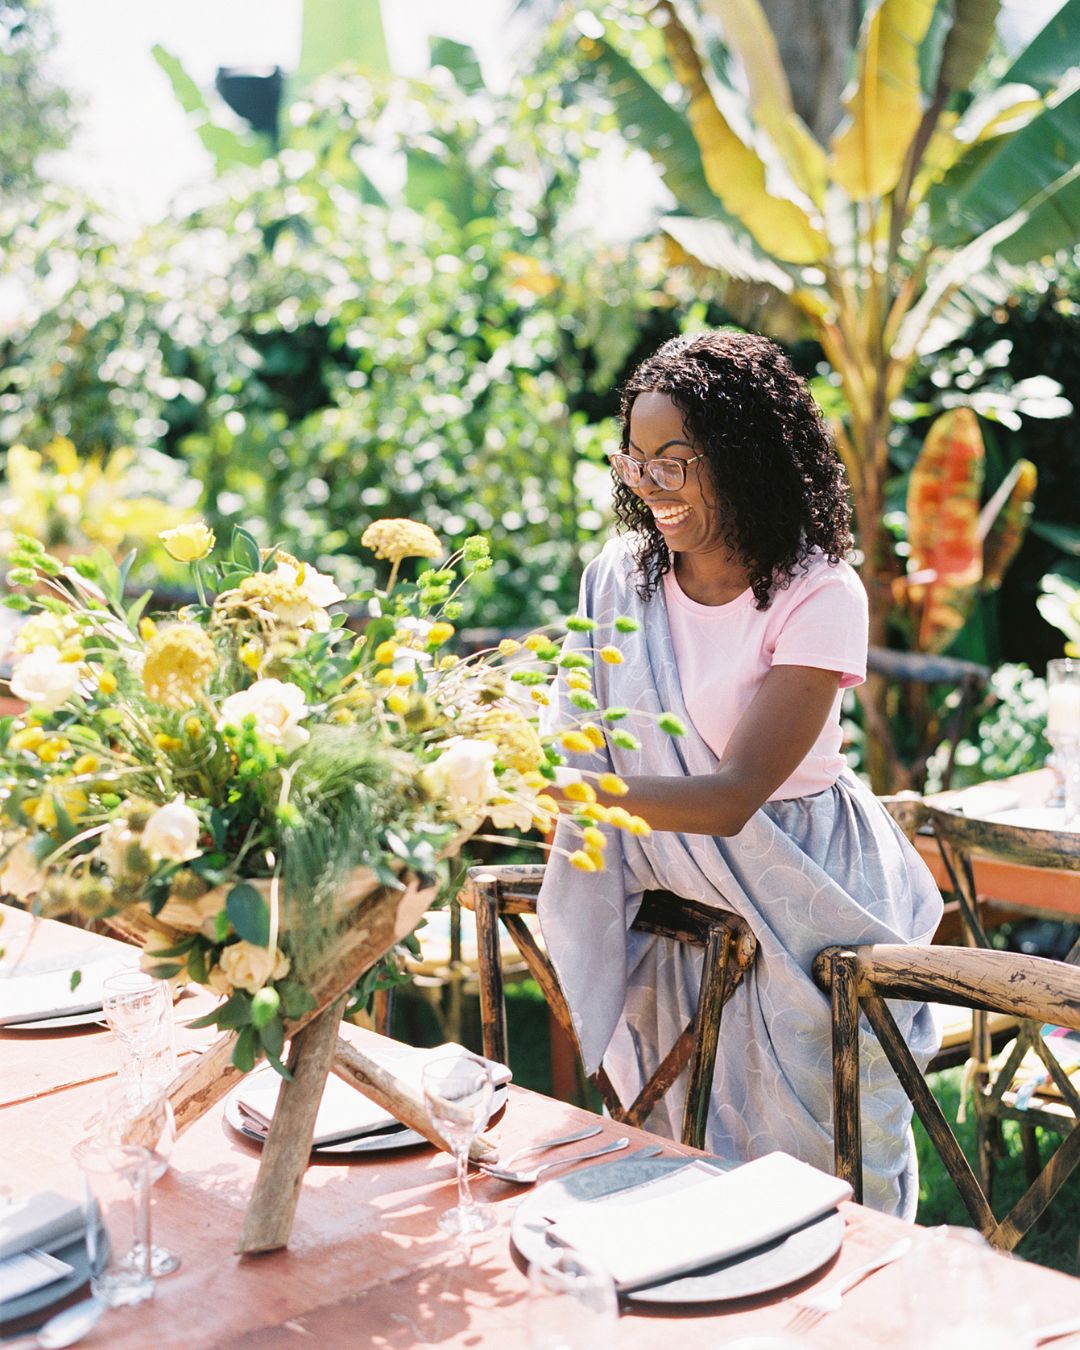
[394, 540]
[179, 662]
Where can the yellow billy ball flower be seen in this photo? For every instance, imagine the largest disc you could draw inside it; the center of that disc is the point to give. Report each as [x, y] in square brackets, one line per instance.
[397, 703]
[28, 739]
[538, 696]
[385, 652]
[397, 539]
[193, 728]
[536, 642]
[72, 654]
[612, 784]
[251, 655]
[439, 633]
[404, 678]
[579, 792]
[508, 646]
[597, 858]
[546, 803]
[576, 742]
[106, 683]
[86, 764]
[611, 655]
[147, 629]
[343, 716]
[358, 697]
[581, 860]
[578, 679]
[188, 543]
[593, 838]
[448, 662]
[179, 662]
[619, 817]
[596, 812]
[595, 735]
[168, 743]
[534, 780]
[639, 826]
[383, 678]
[49, 751]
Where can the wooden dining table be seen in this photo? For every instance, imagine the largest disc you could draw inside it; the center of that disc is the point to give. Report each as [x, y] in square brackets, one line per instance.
[367, 1264]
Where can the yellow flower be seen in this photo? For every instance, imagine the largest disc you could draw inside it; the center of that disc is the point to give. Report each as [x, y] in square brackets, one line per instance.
[519, 745]
[397, 703]
[44, 630]
[597, 858]
[439, 633]
[106, 683]
[578, 679]
[50, 751]
[342, 716]
[582, 861]
[179, 662]
[612, 784]
[188, 543]
[28, 739]
[576, 742]
[358, 697]
[147, 629]
[166, 742]
[639, 826]
[43, 811]
[193, 728]
[72, 653]
[619, 817]
[538, 696]
[595, 735]
[383, 677]
[535, 641]
[273, 601]
[404, 678]
[594, 811]
[611, 655]
[397, 539]
[593, 839]
[546, 803]
[86, 764]
[579, 792]
[385, 652]
[251, 655]
[448, 662]
[508, 646]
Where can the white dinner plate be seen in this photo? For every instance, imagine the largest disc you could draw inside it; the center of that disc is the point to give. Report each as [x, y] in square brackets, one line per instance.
[83, 1019]
[760, 1271]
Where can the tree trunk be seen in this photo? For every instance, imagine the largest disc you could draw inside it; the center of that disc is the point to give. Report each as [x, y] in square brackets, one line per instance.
[815, 38]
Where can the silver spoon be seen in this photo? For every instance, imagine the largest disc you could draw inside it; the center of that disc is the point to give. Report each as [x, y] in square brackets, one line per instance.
[587, 1133]
[527, 1178]
[67, 1327]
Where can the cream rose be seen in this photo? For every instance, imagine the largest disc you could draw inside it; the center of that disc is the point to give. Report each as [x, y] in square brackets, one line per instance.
[277, 708]
[19, 872]
[464, 773]
[172, 832]
[42, 680]
[248, 967]
[319, 587]
[509, 815]
[195, 916]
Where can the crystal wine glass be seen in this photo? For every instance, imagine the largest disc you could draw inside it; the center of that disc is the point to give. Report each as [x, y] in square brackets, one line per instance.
[458, 1092]
[138, 1009]
[572, 1302]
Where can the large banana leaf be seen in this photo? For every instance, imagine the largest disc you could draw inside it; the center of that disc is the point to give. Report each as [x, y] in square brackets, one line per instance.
[943, 528]
[651, 122]
[1052, 52]
[1001, 111]
[885, 104]
[337, 31]
[460, 60]
[734, 171]
[1053, 226]
[748, 35]
[1024, 171]
[229, 148]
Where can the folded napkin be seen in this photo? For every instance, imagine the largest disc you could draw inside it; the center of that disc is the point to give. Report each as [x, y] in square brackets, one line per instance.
[31, 995]
[43, 1220]
[345, 1112]
[696, 1216]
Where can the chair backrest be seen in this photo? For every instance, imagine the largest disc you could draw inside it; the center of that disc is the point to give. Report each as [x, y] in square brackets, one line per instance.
[508, 895]
[920, 671]
[860, 979]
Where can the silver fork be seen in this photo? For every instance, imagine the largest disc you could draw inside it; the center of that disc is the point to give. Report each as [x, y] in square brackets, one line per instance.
[815, 1306]
[527, 1178]
[574, 1138]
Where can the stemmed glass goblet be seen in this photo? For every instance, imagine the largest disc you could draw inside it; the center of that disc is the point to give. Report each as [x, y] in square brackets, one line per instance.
[458, 1092]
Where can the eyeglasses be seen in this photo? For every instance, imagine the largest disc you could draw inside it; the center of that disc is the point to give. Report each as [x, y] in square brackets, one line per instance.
[668, 474]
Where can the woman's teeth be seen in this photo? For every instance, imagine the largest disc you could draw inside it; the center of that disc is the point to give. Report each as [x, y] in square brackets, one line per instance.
[670, 515]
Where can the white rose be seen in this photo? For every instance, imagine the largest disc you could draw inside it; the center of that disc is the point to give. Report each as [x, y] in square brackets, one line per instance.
[277, 708]
[42, 680]
[319, 587]
[464, 772]
[249, 967]
[511, 816]
[19, 872]
[172, 832]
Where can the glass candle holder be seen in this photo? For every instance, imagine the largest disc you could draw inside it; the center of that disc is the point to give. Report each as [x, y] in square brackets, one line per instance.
[1063, 731]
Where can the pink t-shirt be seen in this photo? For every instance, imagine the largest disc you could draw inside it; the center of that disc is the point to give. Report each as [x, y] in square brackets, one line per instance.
[723, 653]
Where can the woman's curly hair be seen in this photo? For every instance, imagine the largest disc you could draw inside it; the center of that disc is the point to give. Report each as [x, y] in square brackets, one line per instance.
[766, 448]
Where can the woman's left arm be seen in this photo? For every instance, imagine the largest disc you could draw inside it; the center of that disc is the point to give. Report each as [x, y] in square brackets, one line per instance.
[773, 737]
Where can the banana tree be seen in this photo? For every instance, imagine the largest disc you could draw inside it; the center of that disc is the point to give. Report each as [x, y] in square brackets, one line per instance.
[885, 242]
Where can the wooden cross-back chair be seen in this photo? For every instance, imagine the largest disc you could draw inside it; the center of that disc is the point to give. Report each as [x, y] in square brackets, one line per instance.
[862, 978]
[508, 895]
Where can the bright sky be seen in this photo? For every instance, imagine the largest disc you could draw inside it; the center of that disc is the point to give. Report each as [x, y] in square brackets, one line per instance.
[136, 150]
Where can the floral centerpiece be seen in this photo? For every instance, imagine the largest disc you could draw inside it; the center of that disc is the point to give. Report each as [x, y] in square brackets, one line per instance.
[223, 782]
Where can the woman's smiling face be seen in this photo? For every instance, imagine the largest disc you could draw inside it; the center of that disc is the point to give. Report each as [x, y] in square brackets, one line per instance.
[688, 518]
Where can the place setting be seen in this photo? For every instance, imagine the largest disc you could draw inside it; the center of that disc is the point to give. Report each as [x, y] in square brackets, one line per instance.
[58, 993]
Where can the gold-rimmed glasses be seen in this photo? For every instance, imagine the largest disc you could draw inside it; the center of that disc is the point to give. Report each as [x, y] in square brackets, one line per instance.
[668, 474]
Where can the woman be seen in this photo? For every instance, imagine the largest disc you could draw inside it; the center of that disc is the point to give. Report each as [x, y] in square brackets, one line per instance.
[750, 627]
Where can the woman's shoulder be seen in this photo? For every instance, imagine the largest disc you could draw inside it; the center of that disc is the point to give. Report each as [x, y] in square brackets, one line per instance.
[817, 574]
[615, 561]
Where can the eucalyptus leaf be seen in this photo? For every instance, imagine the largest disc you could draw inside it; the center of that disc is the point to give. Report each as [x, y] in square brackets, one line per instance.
[249, 914]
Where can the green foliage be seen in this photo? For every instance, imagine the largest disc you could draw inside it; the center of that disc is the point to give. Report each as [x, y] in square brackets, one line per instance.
[35, 113]
[1008, 737]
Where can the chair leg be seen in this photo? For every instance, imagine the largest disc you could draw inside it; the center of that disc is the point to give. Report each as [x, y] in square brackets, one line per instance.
[382, 1011]
[707, 1033]
[1029, 1143]
[847, 1128]
[492, 998]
